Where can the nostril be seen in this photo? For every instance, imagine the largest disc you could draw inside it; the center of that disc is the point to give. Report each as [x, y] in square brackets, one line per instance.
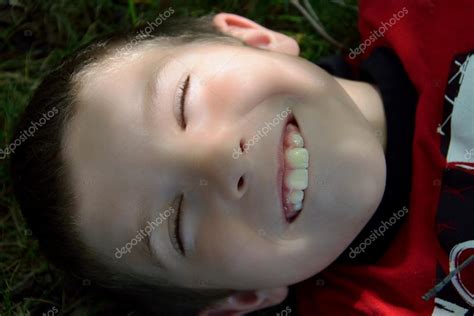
[242, 145]
[241, 183]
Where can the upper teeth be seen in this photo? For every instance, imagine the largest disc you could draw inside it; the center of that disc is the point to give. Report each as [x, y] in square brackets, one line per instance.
[297, 179]
[297, 159]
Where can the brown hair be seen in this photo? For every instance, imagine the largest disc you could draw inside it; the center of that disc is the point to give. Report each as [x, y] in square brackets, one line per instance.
[41, 179]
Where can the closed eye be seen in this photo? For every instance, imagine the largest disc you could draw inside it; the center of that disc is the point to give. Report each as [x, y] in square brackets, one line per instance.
[176, 236]
[181, 103]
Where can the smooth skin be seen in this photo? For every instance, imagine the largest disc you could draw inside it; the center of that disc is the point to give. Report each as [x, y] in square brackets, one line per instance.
[130, 157]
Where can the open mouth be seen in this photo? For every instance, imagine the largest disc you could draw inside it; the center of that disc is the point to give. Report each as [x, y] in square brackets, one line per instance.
[293, 169]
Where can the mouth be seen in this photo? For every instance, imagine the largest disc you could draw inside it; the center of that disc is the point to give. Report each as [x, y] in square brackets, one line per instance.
[292, 178]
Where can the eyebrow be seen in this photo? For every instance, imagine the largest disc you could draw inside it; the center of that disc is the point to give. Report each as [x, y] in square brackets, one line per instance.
[151, 254]
[147, 107]
[151, 104]
[149, 251]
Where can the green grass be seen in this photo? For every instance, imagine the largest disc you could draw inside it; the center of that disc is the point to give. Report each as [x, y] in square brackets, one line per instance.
[35, 35]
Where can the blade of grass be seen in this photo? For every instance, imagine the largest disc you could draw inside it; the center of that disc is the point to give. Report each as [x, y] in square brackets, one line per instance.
[132, 12]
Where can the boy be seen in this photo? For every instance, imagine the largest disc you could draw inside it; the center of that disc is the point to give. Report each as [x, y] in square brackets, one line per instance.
[138, 183]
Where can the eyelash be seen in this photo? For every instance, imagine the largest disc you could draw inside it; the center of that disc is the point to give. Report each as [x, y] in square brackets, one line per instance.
[177, 242]
[182, 99]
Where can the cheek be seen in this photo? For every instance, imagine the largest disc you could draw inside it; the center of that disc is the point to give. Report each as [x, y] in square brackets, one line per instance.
[227, 245]
[231, 249]
[225, 242]
[239, 85]
[229, 88]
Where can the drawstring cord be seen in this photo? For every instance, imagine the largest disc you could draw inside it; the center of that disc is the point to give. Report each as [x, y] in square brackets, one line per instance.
[312, 17]
[438, 287]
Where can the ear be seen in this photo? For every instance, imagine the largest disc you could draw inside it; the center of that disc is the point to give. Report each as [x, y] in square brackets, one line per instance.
[245, 302]
[253, 34]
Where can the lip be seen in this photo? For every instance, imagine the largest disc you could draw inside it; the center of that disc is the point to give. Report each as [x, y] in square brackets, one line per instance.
[281, 170]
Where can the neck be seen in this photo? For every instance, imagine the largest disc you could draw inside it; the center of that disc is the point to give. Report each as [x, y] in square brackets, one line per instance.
[369, 101]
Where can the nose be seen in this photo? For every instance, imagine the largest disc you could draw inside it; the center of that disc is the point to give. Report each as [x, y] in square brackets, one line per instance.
[219, 160]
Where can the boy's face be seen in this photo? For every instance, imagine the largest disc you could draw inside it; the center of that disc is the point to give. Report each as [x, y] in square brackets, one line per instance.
[131, 159]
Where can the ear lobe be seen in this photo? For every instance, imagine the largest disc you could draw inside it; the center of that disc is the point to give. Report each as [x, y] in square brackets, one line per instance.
[245, 302]
[255, 35]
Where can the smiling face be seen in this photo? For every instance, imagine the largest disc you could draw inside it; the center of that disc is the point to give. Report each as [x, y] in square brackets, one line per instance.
[132, 158]
[133, 154]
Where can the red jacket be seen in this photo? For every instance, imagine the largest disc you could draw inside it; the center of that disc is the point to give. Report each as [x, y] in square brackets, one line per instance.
[434, 39]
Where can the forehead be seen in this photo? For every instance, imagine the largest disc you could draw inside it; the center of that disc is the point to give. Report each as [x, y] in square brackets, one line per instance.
[102, 148]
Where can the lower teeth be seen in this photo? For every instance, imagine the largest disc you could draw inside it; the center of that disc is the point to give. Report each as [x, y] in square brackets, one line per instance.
[297, 207]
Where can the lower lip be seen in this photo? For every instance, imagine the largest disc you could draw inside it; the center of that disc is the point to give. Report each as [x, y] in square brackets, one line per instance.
[287, 207]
